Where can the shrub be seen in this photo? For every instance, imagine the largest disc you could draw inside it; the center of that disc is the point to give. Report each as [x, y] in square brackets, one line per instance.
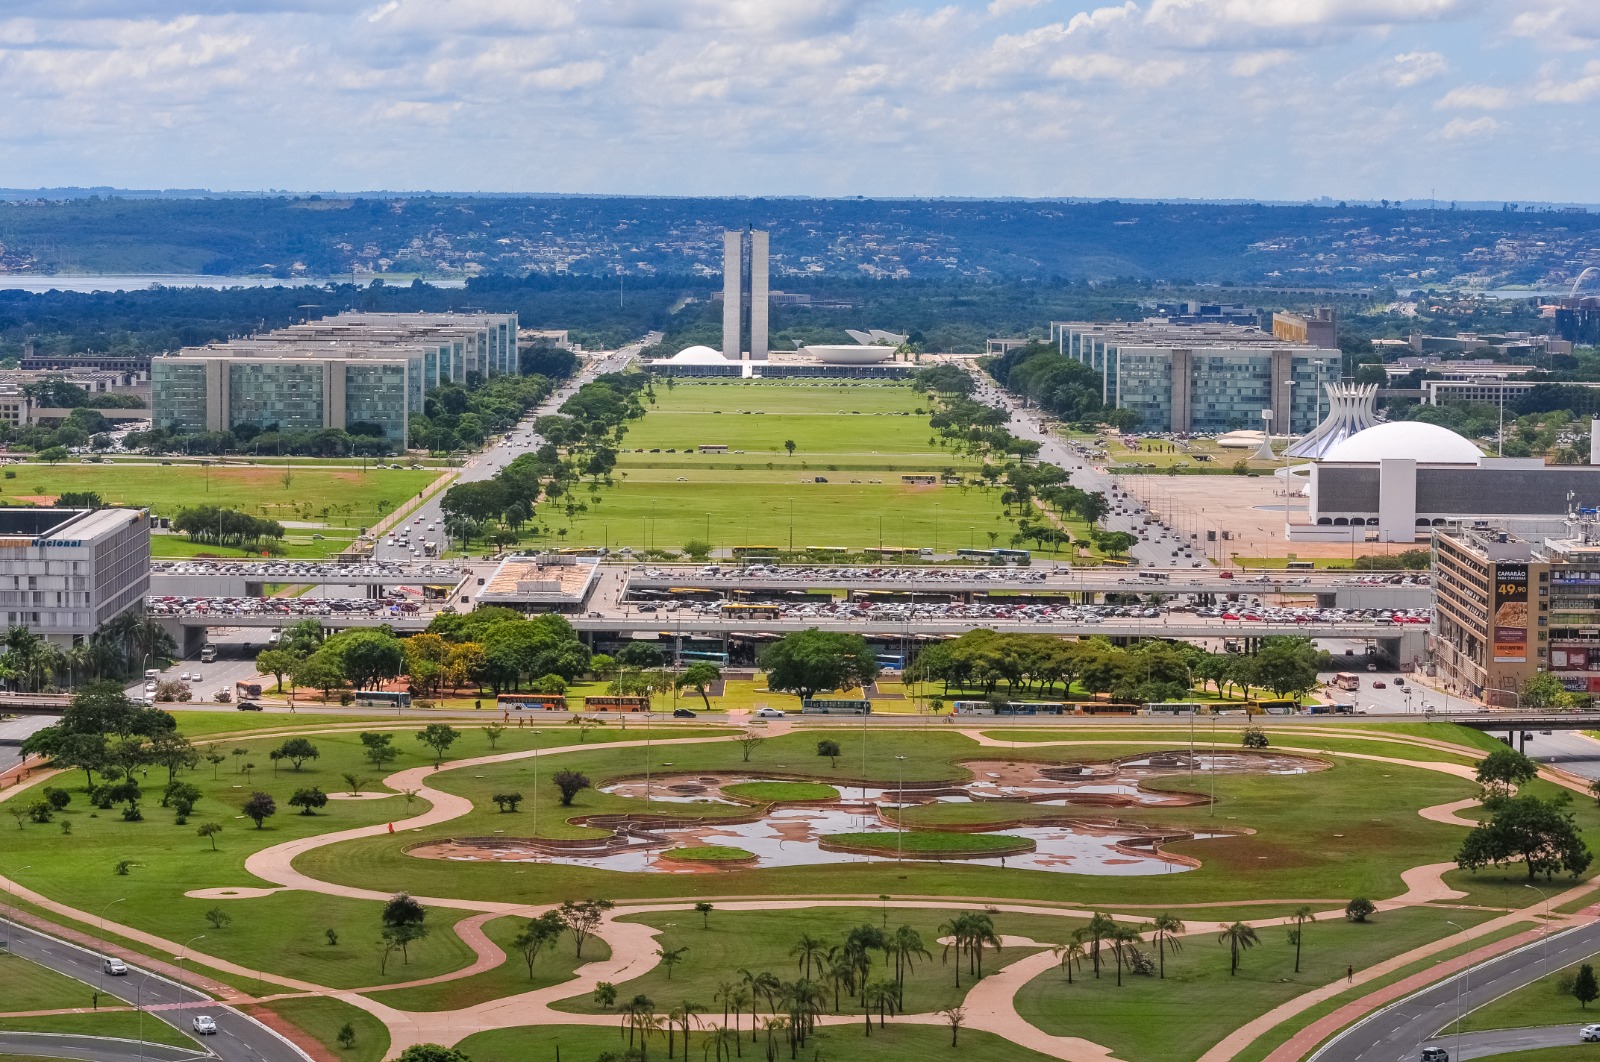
[1359, 909]
[1255, 738]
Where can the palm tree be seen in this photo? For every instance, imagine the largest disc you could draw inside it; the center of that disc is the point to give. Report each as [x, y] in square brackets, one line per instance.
[907, 945]
[1098, 928]
[982, 934]
[1070, 954]
[956, 933]
[1297, 935]
[809, 949]
[721, 1039]
[1122, 940]
[1239, 937]
[1167, 927]
[882, 994]
[741, 999]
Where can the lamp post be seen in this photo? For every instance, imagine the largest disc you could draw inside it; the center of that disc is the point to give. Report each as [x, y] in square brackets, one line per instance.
[1544, 931]
[900, 811]
[1466, 975]
[180, 956]
[536, 734]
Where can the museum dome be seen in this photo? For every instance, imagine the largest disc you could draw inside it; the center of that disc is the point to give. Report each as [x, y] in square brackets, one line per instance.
[1427, 444]
[698, 355]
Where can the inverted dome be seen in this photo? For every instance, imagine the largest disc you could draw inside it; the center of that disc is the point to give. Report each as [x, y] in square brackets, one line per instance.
[698, 355]
[846, 354]
[1424, 443]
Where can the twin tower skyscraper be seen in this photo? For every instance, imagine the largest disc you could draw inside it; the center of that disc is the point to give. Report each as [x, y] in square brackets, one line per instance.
[744, 295]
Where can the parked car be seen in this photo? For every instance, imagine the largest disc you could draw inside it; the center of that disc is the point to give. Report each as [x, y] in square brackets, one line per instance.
[115, 967]
[204, 1025]
[682, 713]
[768, 713]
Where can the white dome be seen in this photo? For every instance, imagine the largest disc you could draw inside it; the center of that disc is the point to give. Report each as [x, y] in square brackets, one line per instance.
[1424, 443]
[698, 355]
[848, 354]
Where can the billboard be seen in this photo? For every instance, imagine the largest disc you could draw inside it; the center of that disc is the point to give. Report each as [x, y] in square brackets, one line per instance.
[1509, 621]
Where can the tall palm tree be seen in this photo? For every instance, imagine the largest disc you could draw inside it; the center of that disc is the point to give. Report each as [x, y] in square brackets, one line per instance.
[808, 950]
[1070, 954]
[1297, 935]
[956, 934]
[1098, 928]
[983, 935]
[908, 947]
[1123, 938]
[1167, 928]
[1239, 937]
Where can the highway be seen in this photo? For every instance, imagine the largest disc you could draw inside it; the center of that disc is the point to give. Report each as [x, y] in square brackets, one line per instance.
[239, 1037]
[1396, 1033]
[1506, 1041]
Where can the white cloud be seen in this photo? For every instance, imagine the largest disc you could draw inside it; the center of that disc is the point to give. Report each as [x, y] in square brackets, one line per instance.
[1413, 68]
[1553, 88]
[1468, 128]
[1475, 98]
[1258, 62]
[999, 8]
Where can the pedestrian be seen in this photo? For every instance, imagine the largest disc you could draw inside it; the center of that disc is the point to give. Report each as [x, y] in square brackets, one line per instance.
[1349, 974]
[391, 827]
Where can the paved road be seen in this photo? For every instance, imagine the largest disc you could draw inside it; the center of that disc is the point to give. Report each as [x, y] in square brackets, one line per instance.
[1505, 1041]
[1567, 749]
[1396, 1033]
[91, 1048]
[239, 1038]
[513, 444]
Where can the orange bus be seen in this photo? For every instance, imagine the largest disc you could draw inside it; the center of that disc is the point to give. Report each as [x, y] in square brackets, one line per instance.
[531, 702]
[616, 704]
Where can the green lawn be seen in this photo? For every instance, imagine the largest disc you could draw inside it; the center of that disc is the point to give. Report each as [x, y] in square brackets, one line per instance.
[554, 965]
[122, 1024]
[929, 841]
[26, 985]
[1541, 1003]
[729, 941]
[766, 791]
[1199, 1001]
[707, 853]
[259, 490]
[580, 1043]
[322, 1019]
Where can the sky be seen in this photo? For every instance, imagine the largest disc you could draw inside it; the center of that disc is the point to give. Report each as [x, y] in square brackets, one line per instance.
[1271, 99]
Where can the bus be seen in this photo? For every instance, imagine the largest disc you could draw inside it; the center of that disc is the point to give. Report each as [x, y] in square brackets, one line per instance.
[1114, 562]
[616, 704]
[720, 659]
[1156, 577]
[395, 699]
[752, 609]
[1014, 556]
[1301, 566]
[1011, 708]
[531, 702]
[1276, 706]
[245, 690]
[978, 554]
[744, 552]
[824, 706]
[1346, 680]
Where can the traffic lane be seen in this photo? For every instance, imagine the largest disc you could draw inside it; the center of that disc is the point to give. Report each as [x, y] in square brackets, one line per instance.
[239, 1038]
[1505, 1041]
[1570, 750]
[91, 1048]
[1396, 1033]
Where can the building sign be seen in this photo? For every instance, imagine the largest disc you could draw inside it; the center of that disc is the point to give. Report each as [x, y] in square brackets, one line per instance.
[1510, 619]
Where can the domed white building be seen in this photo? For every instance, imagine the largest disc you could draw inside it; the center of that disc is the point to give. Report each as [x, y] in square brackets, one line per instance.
[698, 355]
[1412, 440]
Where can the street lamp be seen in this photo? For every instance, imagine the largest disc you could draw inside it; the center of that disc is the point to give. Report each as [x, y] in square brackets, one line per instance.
[180, 956]
[536, 785]
[1544, 930]
[900, 811]
[1466, 975]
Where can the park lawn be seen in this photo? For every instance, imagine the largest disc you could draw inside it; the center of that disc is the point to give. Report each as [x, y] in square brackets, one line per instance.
[321, 1018]
[554, 965]
[293, 547]
[124, 1025]
[1199, 1002]
[1346, 831]
[819, 436]
[726, 941]
[768, 791]
[1510, 886]
[926, 841]
[1541, 1002]
[707, 853]
[346, 497]
[203, 723]
[894, 1043]
[1136, 739]
[26, 985]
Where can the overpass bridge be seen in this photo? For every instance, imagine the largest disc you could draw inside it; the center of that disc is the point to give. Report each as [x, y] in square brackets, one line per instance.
[34, 703]
[250, 578]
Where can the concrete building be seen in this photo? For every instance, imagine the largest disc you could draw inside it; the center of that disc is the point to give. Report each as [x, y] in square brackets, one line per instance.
[1513, 604]
[367, 369]
[1320, 328]
[744, 295]
[65, 572]
[1202, 378]
[1398, 481]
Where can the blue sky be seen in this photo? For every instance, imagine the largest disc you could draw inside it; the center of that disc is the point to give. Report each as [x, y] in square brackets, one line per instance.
[1281, 99]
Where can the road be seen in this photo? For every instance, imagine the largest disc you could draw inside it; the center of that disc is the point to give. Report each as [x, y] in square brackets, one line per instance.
[1396, 1033]
[513, 444]
[239, 1037]
[1505, 1041]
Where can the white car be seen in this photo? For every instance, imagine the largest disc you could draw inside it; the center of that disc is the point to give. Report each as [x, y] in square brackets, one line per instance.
[1589, 1034]
[768, 713]
[115, 967]
[204, 1025]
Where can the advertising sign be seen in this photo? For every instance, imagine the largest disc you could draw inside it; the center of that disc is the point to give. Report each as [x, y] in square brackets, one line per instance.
[1509, 621]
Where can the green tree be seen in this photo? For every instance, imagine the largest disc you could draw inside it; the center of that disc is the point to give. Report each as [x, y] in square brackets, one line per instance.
[404, 921]
[1297, 935]
[378, 748]
[322, 670]
[811, 661]
[1543, 690]
[671, 957]
[297, 751]
[259, 808]
[277, 663]
[438, 737]
[570, 784]
[1168, 929]
[209, 831]
[1359, 909]
[703, 909]
[309, 801]
[830, 748]
[1541, 833]
[1288, 665]
[1585, 989]
[370, 657]
[1238, 938]
[1505, 769]
[699, 676]
[537, 935]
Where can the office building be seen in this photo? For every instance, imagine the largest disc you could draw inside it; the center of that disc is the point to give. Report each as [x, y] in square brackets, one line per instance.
[744, 295]
[364, 370]
[66, 572]
[1512, 604]
[1202, 378]
[1320, 328]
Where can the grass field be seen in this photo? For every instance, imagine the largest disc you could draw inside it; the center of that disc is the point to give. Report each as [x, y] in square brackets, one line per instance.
[1541, 1003]
[122, 1024]
[26, 985]
[323, 1017]
[782, 791]
[1199, 1001]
